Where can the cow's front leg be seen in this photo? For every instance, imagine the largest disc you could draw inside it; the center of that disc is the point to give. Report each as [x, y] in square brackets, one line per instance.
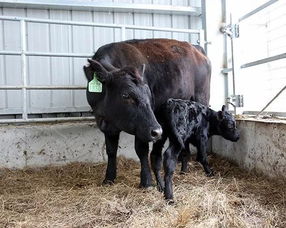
[156, 160]
[170, 161]
[111, 150]
[142, 150]
[202, 155]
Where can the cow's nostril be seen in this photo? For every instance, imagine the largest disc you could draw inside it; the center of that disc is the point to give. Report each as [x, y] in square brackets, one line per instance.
[156, 133]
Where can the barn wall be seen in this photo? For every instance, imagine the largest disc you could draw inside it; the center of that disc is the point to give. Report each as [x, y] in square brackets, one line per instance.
[72, 39]
[261, 147]
[35, 145]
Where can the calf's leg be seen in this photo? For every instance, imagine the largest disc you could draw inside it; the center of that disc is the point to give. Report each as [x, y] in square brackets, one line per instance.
[156, 160]
[142, 150]
[170, 161]
[111, 150]
[185, 158]
[202, 156]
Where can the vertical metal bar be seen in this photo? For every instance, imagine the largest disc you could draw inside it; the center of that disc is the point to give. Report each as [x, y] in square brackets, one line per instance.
[202, 38]
[123, 33]
[24, 67]
[225, 53]
[232, 64]
[204, 24]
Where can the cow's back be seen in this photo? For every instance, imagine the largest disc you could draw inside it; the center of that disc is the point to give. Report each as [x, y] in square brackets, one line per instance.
[173, 68]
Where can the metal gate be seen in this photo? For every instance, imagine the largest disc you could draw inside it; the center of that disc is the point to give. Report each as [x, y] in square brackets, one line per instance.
[257, 52]
[161, 21]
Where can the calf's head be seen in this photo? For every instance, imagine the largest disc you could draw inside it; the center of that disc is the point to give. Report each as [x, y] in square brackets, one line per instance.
[127, 102]
[226, 125]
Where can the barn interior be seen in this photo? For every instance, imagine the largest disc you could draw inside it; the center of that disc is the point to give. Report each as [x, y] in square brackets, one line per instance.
[53, 156]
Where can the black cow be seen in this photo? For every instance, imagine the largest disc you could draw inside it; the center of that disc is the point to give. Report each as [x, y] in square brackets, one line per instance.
[191, 122]
[137, 77]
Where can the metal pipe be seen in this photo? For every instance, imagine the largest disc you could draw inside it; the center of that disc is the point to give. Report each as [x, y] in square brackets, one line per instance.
[41, 120]
[271, 101]
[103, 6]
[48, 21]
[265, 60]
[47, 54]
[24, 68]
[258, 9]
[43, 87]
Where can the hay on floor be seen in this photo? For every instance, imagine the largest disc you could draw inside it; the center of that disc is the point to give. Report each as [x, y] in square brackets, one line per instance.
[72, 196]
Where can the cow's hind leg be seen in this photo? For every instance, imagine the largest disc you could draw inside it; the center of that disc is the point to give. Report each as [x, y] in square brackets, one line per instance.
[156, 160]
[111, 150]
[142, 150]
[170, 161]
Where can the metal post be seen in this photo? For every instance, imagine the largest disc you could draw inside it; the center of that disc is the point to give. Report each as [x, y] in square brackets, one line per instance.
[123, 32]
[202, 38]
[24, 68]
[232, 64]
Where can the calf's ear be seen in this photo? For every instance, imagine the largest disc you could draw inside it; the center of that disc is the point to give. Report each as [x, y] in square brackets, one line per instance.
[220, 115]
[101, 73]
[223, 108]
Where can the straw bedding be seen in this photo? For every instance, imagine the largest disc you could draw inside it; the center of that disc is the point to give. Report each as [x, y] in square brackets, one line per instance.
[72, 196]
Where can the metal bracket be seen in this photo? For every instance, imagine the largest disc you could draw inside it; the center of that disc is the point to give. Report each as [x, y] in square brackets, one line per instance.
[236, 100]
[232, 30]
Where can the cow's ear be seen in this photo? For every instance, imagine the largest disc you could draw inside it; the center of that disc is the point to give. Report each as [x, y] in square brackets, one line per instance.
[101, 73]
[88, 72]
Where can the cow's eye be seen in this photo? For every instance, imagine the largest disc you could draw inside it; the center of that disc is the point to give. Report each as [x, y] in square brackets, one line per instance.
[125, 96]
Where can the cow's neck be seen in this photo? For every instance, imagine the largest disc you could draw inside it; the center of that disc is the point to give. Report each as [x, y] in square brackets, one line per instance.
[213, 122]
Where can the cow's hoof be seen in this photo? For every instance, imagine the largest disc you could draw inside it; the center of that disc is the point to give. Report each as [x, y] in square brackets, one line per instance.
[147, 185]
[108, 182]
[170, 201]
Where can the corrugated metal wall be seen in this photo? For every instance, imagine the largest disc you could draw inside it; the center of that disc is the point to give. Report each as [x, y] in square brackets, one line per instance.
[262, 35]
[71, 39]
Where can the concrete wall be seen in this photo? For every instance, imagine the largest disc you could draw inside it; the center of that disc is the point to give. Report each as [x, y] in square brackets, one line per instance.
[262, 147]
[54, 144]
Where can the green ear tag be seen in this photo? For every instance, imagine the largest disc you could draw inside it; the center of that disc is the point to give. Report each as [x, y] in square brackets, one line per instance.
[94, 85]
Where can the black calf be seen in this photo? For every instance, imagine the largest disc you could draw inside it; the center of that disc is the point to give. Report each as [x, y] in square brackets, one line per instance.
[191, 122]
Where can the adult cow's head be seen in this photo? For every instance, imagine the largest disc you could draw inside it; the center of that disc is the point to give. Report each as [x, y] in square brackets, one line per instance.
[126, 100]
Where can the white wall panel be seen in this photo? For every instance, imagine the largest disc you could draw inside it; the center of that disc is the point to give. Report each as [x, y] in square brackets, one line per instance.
[39, 68]
[3, 94]
[60, 41]
[82, 42]
[12, 42]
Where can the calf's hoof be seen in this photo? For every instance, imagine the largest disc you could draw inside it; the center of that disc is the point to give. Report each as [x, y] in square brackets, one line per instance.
[107, 182]
[183, 172]
[210, 173]
[160, 187]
